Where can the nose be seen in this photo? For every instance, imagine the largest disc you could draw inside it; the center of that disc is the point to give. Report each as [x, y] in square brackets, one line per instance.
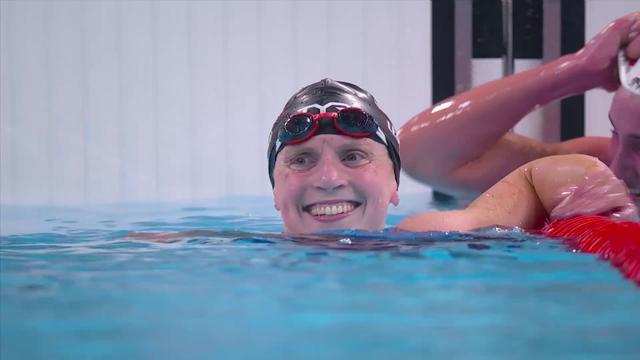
[330, 174]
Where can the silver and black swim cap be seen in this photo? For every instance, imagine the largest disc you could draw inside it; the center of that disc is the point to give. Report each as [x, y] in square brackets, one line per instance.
[329, 95]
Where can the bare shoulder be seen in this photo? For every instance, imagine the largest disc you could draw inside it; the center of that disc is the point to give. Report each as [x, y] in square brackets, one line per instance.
[524, 198]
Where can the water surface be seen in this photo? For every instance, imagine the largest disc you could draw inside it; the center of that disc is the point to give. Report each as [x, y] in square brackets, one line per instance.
[73, 286]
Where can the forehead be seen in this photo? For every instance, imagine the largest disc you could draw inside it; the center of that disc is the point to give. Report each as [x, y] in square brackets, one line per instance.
[625, 109]
[336, 143]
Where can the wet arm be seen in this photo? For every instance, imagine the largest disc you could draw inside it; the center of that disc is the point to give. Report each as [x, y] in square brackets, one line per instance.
[527, 196]
[463, 144]
[444, 145]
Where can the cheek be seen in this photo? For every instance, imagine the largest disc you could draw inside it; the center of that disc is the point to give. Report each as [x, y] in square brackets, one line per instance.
[370, 180]
[288, 189]
[382, 190]
[280, 192]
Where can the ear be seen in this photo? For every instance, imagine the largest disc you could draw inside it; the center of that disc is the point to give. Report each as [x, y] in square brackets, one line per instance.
[275, 203]
[395, 198]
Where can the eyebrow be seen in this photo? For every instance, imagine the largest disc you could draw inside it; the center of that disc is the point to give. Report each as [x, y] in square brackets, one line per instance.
[357, 145]
[297, 149]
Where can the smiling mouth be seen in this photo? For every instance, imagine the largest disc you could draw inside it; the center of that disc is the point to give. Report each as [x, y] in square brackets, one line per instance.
[332, 209]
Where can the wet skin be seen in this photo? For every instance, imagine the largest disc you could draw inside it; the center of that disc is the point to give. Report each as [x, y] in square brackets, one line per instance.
[624, 148]
[485, 114]
[334, 182]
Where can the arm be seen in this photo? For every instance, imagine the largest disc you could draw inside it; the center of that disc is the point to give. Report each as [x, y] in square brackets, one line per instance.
[466, 138]
[562, 185]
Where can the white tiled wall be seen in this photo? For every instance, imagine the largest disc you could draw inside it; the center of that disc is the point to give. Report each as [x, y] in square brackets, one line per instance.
[127, 101]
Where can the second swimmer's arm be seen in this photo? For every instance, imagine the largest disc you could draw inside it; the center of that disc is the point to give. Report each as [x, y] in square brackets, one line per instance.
[460, 144]
[526, 197]
[463, 144]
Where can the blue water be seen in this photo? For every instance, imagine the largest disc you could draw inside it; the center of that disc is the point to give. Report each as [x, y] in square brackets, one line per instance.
[72, 286]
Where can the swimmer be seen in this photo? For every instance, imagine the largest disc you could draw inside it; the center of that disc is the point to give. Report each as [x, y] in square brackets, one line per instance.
[484, 115]
[334, 164]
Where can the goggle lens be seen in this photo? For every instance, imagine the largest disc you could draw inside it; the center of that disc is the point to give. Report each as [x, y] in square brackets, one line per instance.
[298, 124]
[355, 122]
[348, 121]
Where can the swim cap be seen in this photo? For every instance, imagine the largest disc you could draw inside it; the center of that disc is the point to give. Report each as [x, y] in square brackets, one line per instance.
[629, 73]
[329, 95]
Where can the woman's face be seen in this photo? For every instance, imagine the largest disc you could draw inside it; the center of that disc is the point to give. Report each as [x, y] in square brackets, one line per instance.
[624, 148]
[333, 182]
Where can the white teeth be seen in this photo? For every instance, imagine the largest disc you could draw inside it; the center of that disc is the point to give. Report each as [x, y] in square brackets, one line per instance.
[328, 210]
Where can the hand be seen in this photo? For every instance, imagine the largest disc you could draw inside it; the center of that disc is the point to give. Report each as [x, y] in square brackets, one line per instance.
[600, 193]
[598, 58]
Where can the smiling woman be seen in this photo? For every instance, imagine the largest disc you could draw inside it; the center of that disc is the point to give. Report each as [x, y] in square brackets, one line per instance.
[333, 160]
[334, 182]
[333, 163]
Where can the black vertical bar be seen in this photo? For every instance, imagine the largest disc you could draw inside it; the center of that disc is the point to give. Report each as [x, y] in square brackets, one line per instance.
[442, 40]
[487, 29]
[442, 59]
[572, 40]
[527, 29]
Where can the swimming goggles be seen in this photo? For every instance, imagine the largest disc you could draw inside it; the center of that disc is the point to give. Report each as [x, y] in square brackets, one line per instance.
[350, 121]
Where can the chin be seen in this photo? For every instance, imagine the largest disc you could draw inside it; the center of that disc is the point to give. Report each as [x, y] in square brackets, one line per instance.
[335, 226]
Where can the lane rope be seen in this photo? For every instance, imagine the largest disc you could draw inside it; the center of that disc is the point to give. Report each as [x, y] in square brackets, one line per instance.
[615, 241]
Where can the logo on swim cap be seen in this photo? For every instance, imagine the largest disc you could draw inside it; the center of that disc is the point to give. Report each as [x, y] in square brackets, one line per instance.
[391, 128]
[328, 107]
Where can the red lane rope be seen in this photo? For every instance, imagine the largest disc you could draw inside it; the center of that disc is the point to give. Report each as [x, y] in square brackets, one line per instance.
[615, 241]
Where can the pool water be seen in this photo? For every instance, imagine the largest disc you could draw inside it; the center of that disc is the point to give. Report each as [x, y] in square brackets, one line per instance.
[73, 285]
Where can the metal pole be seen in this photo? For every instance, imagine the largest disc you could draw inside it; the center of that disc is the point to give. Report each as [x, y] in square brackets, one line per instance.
[463, 40]
[507, 37]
